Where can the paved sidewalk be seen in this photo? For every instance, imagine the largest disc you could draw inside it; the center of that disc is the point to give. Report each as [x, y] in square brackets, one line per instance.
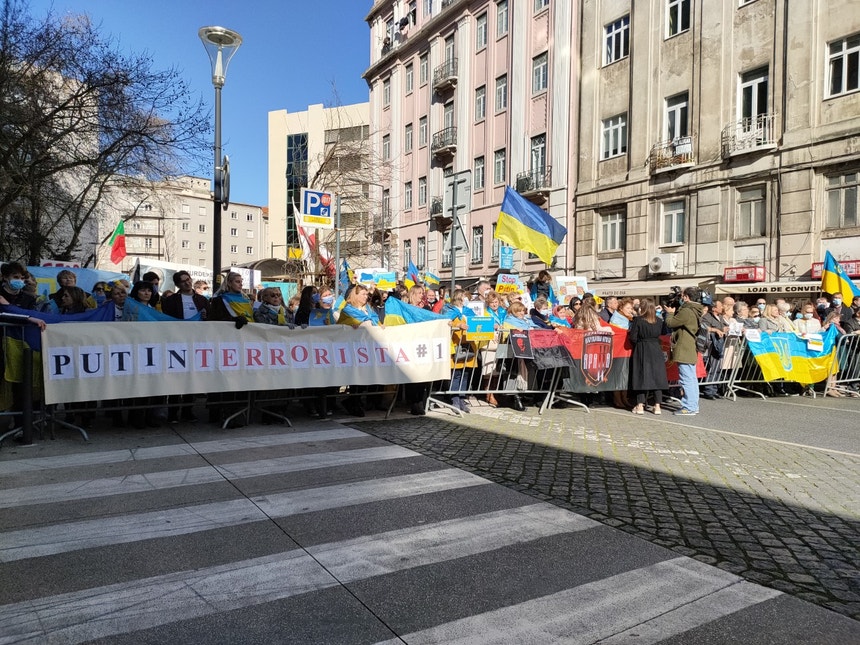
[777, 513]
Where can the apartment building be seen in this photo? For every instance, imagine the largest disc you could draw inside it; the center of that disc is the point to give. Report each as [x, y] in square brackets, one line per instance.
[718, 144]
[172, 221]
[679, 141]
[324, 149]
[483, 86]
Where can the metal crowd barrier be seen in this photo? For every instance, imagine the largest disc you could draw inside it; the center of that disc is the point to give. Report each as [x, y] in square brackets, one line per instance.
[845, 373]
[18, 391]
[498, 372]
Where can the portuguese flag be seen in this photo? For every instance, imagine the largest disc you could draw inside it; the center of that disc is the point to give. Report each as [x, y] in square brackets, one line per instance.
[117, 243]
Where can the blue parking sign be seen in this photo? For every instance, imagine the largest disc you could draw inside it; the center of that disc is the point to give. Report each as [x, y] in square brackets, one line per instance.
[316, 208]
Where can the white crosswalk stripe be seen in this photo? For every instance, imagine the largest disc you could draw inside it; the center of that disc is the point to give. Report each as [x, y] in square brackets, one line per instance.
[330, 538]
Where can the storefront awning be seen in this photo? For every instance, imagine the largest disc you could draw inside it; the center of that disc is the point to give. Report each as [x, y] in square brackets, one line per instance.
[800, 288]
[638, 289]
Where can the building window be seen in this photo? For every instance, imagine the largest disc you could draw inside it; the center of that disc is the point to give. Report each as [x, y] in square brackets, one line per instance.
[234, 232]
[446, 250]
[501, 18]
[540, 73]
[201, 211]
[677, 17]
[421, 260]
[617, 40]
[844, 66]
[497, 244]
[538, 154]
[423, 69]
[234, 248]
[410, 77]
[499, 167]
[407, 195]
[501, 93]
[422, 132]
[428, 8]
[422, 191]
[407, 251]
[842, 196]
[753, 97]
[186, 244]
[249, 217]
[407, 138]
[249, 234]
[201, 246]
[234, 215]
[674, 223]
[386, 92]
[477, 244]
[186, 226]
[147, 242]
[481, 103]
[478, 173]
[541, 4]
[386, 147]
[751, 212]
[186, 209]
[249, 250]
[677, 109]
[611, 232]
[614, 136]
[481, 31]
[201, 228]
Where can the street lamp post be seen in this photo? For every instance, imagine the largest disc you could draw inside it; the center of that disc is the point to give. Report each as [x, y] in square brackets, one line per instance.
[220, 44]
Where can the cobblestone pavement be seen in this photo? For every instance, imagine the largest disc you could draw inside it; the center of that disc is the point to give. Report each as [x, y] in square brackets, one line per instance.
[780, 514]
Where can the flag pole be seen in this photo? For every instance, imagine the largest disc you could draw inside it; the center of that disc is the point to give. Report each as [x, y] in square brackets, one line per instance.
[337, 246]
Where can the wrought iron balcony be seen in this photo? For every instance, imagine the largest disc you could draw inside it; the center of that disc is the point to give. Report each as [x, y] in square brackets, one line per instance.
[445, 75]
[444, 142]
[676, 154]
[534, 183]
[752, 134]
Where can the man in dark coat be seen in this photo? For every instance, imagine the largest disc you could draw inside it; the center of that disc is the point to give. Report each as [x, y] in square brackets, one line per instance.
[685, 324]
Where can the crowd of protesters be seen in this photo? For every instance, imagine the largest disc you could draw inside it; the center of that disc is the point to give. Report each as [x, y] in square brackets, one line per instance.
[695, 326]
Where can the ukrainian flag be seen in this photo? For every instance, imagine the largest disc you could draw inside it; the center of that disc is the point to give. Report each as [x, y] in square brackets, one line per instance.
[398, 312]
[786, 356]
[431, 279]
[528, 227]
[835, 280]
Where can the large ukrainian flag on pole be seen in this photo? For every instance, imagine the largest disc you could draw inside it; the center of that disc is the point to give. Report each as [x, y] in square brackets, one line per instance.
[528, 227]
[835, 280]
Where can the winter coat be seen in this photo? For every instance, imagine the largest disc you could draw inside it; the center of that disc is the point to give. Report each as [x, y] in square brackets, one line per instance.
[647, 364]
[685, 323]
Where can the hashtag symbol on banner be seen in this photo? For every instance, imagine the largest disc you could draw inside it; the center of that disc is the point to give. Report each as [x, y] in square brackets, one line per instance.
[421, 350]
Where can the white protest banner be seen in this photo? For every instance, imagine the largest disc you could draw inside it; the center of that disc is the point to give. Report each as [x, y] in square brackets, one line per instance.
[97, 361]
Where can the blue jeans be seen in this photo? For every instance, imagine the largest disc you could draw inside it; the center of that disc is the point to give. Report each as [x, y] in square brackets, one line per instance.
[687, 377]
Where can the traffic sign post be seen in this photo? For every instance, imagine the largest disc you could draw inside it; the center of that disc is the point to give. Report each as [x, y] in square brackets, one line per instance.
[316, 208]
[456, 203]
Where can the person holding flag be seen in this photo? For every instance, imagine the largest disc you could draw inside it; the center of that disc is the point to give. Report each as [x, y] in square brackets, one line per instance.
[836, 282]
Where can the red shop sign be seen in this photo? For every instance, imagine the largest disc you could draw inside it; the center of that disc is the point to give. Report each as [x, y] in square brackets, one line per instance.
[743, 274]
[852, 268]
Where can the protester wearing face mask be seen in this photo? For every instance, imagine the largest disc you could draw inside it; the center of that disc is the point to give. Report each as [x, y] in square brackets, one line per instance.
[540, 314]
[755, 314]
[100, 290]
[807, 323]
[323, 314]
[845, 313]
[12, 286]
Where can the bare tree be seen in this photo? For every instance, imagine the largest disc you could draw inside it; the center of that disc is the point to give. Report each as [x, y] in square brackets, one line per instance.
[78, 119]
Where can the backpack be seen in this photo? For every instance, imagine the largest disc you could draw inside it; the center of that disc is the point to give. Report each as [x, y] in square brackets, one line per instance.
[703, 340]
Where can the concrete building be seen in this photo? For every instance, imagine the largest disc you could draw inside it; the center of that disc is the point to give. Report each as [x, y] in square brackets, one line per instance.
[172, 221]
[680, 141]
[324, 149]
[719, 143]
[481, 86]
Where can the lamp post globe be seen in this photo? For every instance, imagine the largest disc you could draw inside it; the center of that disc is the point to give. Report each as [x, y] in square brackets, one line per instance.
[220, 44]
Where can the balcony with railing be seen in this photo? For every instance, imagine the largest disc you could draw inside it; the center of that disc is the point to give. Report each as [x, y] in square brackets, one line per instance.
[752, 134]
[445, 75]
[444, 142]
[667, 156]
[535, 184]
[436, 206]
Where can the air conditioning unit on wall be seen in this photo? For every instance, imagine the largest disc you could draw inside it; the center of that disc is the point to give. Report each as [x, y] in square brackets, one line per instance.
[664, 263]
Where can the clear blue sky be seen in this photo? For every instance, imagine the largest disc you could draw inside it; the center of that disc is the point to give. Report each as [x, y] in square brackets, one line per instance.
[294, 53]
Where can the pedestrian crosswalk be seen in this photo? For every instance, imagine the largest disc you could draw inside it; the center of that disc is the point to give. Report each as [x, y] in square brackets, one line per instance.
[328, 535]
